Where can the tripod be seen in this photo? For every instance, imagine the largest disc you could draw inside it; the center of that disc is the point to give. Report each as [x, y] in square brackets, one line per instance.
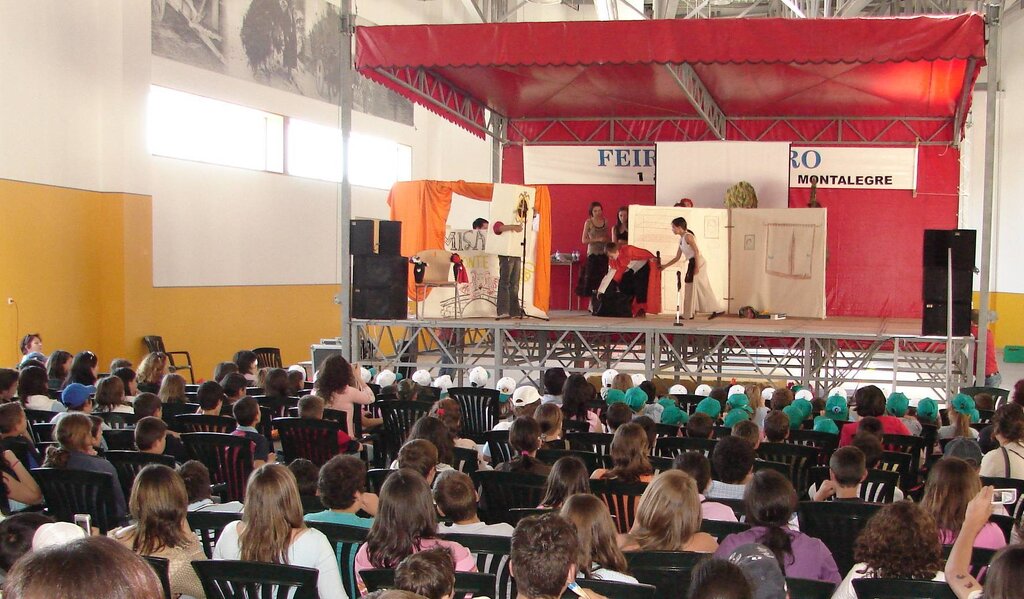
[522, 275]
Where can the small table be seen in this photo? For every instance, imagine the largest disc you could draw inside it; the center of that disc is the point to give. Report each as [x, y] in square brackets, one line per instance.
[567, 259]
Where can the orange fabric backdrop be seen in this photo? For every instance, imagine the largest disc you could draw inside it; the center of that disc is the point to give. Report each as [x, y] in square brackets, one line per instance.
[423, 206]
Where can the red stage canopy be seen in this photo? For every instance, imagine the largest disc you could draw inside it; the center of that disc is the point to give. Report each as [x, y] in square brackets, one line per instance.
[633, 71]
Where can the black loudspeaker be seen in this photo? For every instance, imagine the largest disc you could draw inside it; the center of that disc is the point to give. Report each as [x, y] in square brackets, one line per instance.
[938, 246]
[934, 321]
[379, 287]
[389, 237]
[360, 237]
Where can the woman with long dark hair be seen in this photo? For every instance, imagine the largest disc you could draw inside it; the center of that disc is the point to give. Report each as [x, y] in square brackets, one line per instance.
[83, 369]
[698, 294]
[568, 477]
[338, 383]
[58, 367]
[599, 556]
[595, 235]
[771, 501]
[524, 437]
[952, 483]
[272, 530]
[620, 232]
[575, 395]
[406, 523]
[629, 450]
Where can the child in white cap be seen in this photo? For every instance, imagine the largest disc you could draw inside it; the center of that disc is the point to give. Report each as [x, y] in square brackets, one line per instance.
[478, 377]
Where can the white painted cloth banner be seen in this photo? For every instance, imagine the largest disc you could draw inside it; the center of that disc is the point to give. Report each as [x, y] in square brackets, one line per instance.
[853, 168]
[589, 165]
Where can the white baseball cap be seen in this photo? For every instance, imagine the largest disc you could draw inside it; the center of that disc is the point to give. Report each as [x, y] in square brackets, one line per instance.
[56, 533]
[702, 390]
[506, 385]
[479, 376]
[637, 379]
[524, 396]
[607, 376]
[442, 382]
[297, 368]
[840, 392]
[385, 378]
[365, 374]
[804, 394]
[678, 390]
[422, 377]
[736, 390]
[768, 393]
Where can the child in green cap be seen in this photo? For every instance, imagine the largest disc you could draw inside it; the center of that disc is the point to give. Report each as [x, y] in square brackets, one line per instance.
[897, 405]
[824, 424]
[795, 414]
[928, 411]
[961, 414]
[735, 416]
[711, 407]
[836, 408]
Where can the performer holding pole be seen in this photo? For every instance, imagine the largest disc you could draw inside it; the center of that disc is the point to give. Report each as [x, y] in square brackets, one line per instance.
[700, 297]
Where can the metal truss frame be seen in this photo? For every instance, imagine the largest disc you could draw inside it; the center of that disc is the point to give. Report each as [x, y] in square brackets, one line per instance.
[525, 350]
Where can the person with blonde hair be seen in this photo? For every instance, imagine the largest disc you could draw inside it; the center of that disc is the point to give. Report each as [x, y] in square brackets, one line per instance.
[272, 530]
[172, 389]
[599, 555]
[159, 505]
[668, 517]
[952, 483]
[151, 372]
[629, 450]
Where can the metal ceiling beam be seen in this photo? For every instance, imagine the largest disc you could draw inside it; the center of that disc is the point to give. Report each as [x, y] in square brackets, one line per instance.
[699, 96]
[666, 9]
[474, 6]
[852, 8]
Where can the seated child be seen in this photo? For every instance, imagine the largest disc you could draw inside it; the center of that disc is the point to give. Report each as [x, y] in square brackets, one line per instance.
[247, 415]
[456, 499]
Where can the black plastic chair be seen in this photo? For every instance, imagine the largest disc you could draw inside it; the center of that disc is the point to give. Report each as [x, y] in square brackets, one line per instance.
[599, 443]
[200, 423]
[621, 499]
[399, 416]
[669, 571]
[666, 430]
[502, 491]
[801, 588]
[129, 463]
[900, 463]
[209, 525]
[122, 439]
[837, 524]
[799, 458]
[155, 343]
[492, 556]
[615, 590]
[674, 446]
[172, 410]
[346, 541]
[473, 584]
[722, 528]
[227, 457]
[912, 444]
[232, 579]
[268, 357]
[466, 460]
[591, 459]
[980, 558]
[42, 432]
[995, 392]
[375, 478]
[314, 440]
[498, 446]
[825, 443]
[162, 567]
[480, 409]
[897, 588]
[688, 402]
[879, 486]
[118, 420]
[22, 449]
[518, 513]
[39, 416]
[70, 492]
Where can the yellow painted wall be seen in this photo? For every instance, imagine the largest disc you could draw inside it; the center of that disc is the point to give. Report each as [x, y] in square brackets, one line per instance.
[1009, 328]
[79, 265]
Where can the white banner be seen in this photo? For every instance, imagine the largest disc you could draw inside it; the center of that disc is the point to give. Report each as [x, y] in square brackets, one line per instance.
[853, 168]
[589, 165]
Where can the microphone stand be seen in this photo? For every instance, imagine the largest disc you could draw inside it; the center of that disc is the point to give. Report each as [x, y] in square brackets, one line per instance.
[679, 298]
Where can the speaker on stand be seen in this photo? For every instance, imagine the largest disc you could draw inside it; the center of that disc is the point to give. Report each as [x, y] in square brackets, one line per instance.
[380, 274]
[948, 281]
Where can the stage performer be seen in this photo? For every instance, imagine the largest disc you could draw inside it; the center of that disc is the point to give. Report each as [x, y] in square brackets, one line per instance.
[509, 270]
[626, 295]
[595, 236]
[620, 232]
[480, 224]
[698, 294]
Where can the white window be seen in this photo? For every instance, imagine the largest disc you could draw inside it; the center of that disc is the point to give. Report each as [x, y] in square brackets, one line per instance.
[192, 127]
[315, 151]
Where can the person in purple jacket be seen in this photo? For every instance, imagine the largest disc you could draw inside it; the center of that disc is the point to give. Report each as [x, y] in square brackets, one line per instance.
[770, 502]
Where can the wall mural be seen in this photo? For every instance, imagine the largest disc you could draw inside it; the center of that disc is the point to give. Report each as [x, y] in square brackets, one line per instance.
[291, 45]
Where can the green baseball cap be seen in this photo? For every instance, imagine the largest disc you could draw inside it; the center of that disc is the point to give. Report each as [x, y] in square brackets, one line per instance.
[836, 408]
[796, 415]
[735, 416]
[804, 406]
[636, 398]
[964, 404]
[673, 415]
[613, 396]
[710, 406]
[824, 424]
[928, 408]
[897, 404]
[739, 400]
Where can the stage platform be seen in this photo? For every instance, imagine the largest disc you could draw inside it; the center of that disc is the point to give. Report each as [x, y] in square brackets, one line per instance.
[835, 352]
